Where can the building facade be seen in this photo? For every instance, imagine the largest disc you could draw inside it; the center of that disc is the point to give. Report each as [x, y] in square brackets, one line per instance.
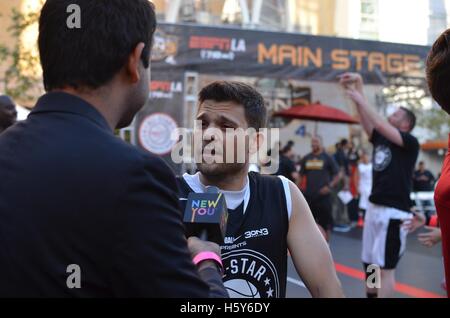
[402, 21]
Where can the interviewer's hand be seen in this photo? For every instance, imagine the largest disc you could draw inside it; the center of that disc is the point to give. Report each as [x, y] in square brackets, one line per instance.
[197, 246]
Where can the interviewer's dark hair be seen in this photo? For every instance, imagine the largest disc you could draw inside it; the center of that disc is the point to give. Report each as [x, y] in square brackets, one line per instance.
[240, 93]
[90, 56]
[438, 71]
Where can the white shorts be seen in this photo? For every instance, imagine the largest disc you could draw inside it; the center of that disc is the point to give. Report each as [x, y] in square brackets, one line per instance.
[384, 238]
[364, 200]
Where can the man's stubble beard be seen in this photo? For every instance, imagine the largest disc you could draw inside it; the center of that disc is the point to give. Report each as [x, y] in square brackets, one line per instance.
[221, 170]
[137, 98]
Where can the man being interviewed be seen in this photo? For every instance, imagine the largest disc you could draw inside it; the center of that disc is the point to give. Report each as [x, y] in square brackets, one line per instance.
[267, 215]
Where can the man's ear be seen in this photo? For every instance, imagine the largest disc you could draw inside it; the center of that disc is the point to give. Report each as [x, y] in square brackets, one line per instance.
[134, 61]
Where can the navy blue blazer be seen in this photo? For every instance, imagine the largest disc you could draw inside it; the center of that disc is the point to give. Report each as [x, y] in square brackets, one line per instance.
[73, 193]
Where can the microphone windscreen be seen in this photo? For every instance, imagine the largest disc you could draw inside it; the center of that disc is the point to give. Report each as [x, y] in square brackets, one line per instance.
[212, 189]
[206, 211]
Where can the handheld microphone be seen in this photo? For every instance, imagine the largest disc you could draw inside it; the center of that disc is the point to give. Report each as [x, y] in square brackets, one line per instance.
[206, 215]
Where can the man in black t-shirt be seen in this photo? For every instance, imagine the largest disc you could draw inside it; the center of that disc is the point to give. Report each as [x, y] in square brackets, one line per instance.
[423, 179]
[267, 215]
[319, 175]
[286, 167]
[394, 158]
[393, 166]
[340, 211]
[341, 157]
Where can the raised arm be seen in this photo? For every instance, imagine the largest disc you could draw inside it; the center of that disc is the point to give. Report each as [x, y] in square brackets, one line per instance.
[370, 119]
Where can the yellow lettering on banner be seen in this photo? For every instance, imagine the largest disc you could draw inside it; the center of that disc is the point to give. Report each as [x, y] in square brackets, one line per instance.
[412, 63]
[359, 55]
[377, 59]
[287, 52]
[394, 63]
[299, 56]
[264, 54]
[316, 58]
[340, 59]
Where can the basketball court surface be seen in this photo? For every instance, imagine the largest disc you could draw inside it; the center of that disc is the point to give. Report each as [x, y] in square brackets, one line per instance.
[419, 274]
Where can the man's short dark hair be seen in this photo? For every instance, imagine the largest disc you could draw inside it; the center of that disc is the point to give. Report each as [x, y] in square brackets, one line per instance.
[240, 93]
[7, 102]
[8, 113]
[438, 71]
[91, 55]
[286, 149]
[411, 117]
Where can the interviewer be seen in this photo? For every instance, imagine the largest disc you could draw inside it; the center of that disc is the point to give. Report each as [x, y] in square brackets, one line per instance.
[76, 200]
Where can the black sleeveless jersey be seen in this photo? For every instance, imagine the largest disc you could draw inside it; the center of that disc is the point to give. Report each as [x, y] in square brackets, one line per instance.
[254, 252]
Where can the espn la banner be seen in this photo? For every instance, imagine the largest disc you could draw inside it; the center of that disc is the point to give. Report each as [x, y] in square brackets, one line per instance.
[229, 51]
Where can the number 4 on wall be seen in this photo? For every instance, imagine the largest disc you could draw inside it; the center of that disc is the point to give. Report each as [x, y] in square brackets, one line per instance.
[301, 131]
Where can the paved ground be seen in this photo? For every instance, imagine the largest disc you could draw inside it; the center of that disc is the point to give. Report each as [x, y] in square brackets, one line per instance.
[419, 274]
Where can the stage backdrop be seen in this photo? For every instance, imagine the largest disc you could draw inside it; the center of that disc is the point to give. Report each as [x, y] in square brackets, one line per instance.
[237, 52]
[281, 55]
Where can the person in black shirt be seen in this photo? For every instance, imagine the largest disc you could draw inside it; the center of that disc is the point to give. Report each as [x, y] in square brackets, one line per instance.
[352, 155]
[340, 211]
[267, 215]
[319, 175]
[341, 157]
[286, 166]
[423, 179]
[394, 158]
